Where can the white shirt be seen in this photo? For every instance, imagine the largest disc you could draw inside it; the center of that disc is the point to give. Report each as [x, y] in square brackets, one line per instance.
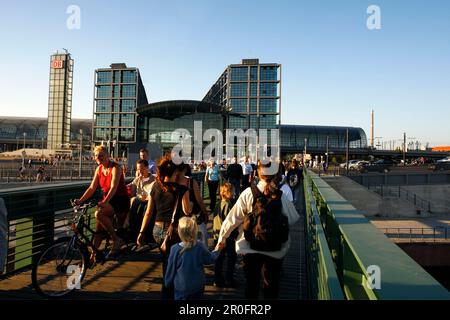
[236, 216]
[287, 191]
[246, 168]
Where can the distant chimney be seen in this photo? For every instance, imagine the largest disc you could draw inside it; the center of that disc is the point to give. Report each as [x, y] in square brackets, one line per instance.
[371, 130]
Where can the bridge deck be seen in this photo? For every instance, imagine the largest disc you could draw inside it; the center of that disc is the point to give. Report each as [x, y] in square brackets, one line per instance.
[139, 276]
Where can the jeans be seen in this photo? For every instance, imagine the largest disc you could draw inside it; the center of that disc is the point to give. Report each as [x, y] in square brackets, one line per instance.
[254, 263]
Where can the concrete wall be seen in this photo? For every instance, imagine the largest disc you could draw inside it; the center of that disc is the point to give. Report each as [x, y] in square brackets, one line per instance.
[428, 254]
[438, 195]
[371, 203]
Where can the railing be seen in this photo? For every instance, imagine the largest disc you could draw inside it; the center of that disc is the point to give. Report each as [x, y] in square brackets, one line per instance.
[38, 215]
[402, 193]
[368, 265]
[418, 235]
[323, 282]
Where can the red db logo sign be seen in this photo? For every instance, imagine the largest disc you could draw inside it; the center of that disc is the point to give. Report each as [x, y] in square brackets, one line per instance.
[57, 64]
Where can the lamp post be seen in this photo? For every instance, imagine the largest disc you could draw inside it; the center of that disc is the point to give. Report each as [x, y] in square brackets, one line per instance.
[81, 152]
[347, 150]
[24, 135]
[304, 152]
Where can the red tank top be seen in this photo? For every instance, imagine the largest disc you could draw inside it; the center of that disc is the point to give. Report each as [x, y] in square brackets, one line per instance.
[105, 182]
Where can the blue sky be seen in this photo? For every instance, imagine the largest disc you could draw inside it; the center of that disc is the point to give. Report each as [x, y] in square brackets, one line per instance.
[334, 69]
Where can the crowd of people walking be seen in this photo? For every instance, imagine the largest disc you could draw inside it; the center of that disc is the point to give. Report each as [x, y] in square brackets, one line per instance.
[163, 208]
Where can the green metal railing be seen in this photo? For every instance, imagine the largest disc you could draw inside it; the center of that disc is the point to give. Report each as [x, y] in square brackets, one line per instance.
[361, 254]
[37, 215]
[323, 281]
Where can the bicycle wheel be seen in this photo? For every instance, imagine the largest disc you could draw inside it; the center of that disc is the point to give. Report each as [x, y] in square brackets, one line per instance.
[60, 268]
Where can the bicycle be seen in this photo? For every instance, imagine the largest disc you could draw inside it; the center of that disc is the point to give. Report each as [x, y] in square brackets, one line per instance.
[61, 268]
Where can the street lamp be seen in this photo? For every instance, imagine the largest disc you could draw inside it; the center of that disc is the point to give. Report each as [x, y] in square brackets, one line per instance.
[24, 135]
[81, 151]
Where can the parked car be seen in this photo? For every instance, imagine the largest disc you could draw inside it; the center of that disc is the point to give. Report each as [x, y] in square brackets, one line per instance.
[351, 163]
[446, 159]
[382, 165]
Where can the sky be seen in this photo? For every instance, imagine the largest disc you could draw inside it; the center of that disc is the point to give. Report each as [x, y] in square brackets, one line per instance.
[335, 69]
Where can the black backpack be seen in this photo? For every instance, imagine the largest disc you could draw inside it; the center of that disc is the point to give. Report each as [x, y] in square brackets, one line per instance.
[266, 228]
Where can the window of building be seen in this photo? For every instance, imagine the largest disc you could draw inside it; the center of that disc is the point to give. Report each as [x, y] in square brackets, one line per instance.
[253, 89]
[116, 92]
[238, 105]
[103, 106]
[239, 74]
[103, 91]
[116, 76]
[128, 105]
[253, 105]
[238, 90]
[116, 120]
[116, 105]
[268, 89]
[129, 77]
[127, 120]
[103, 120]
[268, 73]
[267, 122]
[268, 105]
[254, 73]
[128, 91]
[126, 135]
[103, 77]
[253, 121]
[238, 122]
[101, 134]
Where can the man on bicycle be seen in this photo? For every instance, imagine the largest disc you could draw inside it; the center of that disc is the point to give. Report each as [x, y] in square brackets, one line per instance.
[115, 201]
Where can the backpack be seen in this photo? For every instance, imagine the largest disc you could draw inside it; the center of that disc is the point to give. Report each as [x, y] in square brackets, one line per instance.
[266, 228]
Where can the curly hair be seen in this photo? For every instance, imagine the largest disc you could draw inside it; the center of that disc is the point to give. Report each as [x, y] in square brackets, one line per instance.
[165, 168]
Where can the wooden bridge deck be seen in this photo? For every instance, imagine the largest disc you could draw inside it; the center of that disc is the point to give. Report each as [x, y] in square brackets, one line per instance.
[138, 276]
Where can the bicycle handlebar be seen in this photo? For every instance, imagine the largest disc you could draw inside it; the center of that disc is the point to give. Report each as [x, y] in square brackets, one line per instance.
[89, 204]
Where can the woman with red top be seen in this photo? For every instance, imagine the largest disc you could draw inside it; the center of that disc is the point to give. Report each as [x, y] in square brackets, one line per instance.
[109, 177]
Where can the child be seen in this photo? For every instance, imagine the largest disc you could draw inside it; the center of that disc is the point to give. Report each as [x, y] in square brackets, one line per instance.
[185, 265]
[220, 213]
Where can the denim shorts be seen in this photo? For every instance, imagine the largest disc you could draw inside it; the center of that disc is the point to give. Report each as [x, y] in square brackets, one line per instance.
[159, 233]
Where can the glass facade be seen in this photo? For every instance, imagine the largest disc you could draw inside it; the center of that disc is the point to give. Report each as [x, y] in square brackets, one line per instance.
[60, 101]
[12, 131]
[118, 91]
[293, 137]
[253, 92]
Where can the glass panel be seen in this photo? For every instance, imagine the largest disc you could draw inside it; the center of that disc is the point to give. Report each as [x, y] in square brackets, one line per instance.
[238, 90]
[253, 89]
[128, 91]
[129, 77]
[253, 73]
[238, 105]
[116, 76]
[103, 106]
[128, 105]
[103, 91]
[268, 73]
[253, 105]
[239, 74]
[268, 89]
[268, 105]
[104, 77]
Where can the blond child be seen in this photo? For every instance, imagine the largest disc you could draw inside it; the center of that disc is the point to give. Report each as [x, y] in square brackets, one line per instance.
[186, 260]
